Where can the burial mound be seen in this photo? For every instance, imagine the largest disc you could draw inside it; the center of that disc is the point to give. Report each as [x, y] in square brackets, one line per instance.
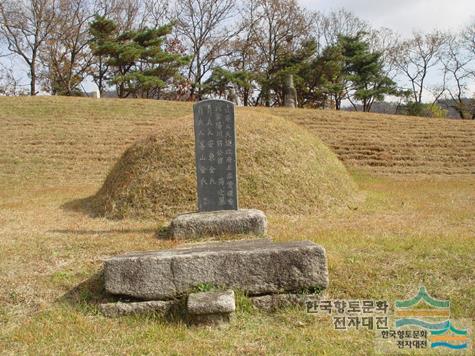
[282, 168]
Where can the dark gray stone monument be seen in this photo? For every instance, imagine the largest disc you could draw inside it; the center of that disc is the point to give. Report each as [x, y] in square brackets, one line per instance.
[215, 153]
[216, 178]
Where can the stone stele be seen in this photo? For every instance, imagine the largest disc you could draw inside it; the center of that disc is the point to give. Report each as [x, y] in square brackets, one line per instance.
[215, 155]
[255, 267]
[217, 181]
[243, 221]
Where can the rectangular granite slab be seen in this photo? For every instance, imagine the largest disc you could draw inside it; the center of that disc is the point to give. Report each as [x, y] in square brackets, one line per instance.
[256, 267]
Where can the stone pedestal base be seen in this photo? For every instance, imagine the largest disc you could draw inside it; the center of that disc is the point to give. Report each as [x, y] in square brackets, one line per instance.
[242, 221]
[113, 310]
[211, 308]
[255, 267]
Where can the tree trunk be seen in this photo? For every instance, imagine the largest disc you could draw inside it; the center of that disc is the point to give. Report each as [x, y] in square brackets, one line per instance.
[337, 104]
[33, 79]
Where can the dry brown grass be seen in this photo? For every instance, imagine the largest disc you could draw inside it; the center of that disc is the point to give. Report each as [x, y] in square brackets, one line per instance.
[280, 166]
[389, 144]
[57, 139]
[56, 150]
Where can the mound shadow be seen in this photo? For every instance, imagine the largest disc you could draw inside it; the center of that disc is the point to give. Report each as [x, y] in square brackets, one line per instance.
[84, 206]
[81, 205]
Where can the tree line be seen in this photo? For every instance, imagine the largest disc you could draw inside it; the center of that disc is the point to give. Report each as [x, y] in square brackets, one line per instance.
[191, 49]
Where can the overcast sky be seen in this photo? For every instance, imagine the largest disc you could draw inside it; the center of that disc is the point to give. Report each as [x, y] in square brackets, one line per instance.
[404, 16]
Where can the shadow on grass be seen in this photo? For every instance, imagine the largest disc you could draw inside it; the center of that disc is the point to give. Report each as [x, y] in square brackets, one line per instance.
[160, 233]
[102, 232]
[89, 294]
[83, 205]
[86, 207]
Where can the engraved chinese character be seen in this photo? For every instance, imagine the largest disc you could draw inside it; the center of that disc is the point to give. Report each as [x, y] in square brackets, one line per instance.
[221, 201]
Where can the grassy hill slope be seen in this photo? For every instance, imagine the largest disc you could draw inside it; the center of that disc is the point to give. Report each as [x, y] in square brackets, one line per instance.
[48, 137]
[391, 144]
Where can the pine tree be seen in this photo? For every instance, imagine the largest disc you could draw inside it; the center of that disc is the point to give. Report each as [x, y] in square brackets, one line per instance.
[138, 61]
[364, 70]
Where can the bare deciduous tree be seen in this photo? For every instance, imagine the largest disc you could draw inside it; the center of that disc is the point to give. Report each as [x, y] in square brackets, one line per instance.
[385, 41]
[66, 58]
[416, 57]
[155, 12]
[126, 13]
[204, 27]
[281, 27]
[458, 71]
[469, 37]
[25, 25]
[9, 83]
[329, 27]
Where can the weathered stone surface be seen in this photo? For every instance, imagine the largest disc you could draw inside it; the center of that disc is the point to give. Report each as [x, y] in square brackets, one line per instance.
[274, 302]
[215, 153]
[211, 303]
[256, 267]
[243, 221]
[290, 97]
[113, 310]
[210, 308]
